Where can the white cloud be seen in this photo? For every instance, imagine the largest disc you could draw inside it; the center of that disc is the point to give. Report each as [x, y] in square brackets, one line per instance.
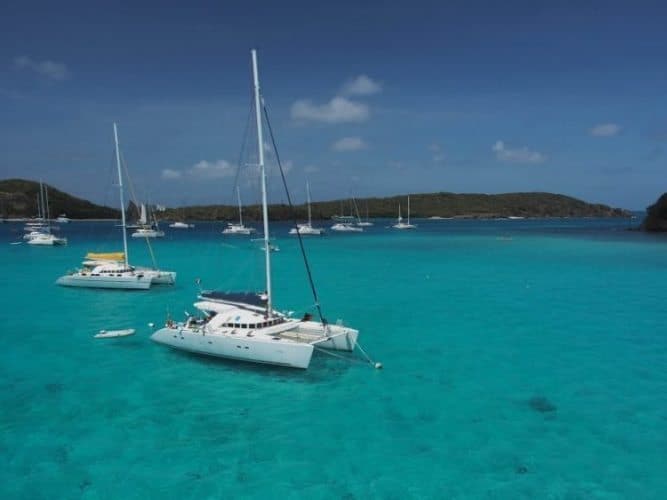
[438, 156]
[361, 85]
[518, 155]
[212, 170]
[49, 69]
[348, 144]
[337, 110]
[170, 174]
[605, 130]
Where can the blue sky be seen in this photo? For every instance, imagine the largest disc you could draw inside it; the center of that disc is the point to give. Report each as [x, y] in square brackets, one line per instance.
[368, 99]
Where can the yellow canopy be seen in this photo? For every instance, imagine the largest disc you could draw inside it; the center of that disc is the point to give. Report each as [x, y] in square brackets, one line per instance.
[106, 256]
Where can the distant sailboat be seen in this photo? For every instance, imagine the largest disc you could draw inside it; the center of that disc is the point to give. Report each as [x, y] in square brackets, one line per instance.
[399, 222]
[238, 229]
[42, 235]
[367, 222]
[307, 229]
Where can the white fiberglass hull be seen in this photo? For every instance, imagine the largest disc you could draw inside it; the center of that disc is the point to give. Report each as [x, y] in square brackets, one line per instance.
[346, 228]
[47, 240]
[402, 225]
[238, 232]
[130, 282]
[307, 231]
[148, 234]
[264, 350]
[158, 277]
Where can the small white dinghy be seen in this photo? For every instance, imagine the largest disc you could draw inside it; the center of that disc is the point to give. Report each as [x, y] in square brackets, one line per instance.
[107, 334]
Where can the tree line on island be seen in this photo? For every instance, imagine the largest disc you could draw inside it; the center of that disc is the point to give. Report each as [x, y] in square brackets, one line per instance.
[18, 198]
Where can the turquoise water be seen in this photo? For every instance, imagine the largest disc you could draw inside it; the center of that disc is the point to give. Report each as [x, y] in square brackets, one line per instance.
[523, 359]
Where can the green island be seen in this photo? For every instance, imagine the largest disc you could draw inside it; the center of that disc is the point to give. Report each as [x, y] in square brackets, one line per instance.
[18, 198]
[656, 216]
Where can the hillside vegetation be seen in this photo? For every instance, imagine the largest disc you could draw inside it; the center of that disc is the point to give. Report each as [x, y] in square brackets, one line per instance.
[656, 216]
[421, 205]
[18, 198]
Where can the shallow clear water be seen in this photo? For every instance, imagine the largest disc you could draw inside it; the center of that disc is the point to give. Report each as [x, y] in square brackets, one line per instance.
[523, 359]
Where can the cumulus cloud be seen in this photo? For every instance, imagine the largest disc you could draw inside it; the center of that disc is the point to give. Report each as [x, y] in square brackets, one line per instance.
[203, 170]
[170, 174]
[438, 156]
[605, 130]
[212, 169]
[50, 69]
[518, 155]
[348, 144]
[361, 85]
[337, 110]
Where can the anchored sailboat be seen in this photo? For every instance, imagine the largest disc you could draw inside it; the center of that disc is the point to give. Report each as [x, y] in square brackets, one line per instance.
[112, 270]
[307, 229]
[399, 222]
[238, 229]
[245, 326]
[41, 234]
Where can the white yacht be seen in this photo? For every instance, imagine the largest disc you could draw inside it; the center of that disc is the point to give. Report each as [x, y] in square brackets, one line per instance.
[367, 222]
[307, 229]
[181, 225]
[147, 229]
[112, 270]
[347, 227]
[399, 222]
[62, 219]
[239, 229]
[245, 326]
[40, 232]
[151, 231]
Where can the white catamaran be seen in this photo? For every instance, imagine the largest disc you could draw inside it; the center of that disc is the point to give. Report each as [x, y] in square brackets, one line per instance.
[399, 222]
[112, 270]
[41, 234]
[307, 229]
[238, 229]
[245, 326]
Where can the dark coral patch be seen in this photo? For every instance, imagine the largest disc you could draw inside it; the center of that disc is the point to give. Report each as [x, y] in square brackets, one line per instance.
[541, 404]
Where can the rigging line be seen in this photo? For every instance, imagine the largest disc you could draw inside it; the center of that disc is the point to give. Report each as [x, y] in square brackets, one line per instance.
[136, 204]
[293, 216]
[244, 142]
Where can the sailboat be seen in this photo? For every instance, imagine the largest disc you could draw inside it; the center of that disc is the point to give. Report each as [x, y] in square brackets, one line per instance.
[399, 222]
[113, 270]
[41, 235]
[146, 229]
[245, 326]
[307, 229]
[367, 222]
[346, 223]
[238, 229]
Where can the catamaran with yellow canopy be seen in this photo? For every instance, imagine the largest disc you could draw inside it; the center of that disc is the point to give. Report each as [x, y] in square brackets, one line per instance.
[112, 270]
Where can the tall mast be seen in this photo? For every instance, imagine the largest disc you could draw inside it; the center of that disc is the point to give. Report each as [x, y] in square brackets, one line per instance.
[238, 197]
[46, 205]
[408, 209]
[120, 189]
[42, 211]
[262, 170]
[308, 196]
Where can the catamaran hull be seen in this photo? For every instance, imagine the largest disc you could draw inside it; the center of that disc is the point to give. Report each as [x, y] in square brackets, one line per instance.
[339, 338]
[112, 282]
[271, 352]
[160, 277]
[49, 242]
